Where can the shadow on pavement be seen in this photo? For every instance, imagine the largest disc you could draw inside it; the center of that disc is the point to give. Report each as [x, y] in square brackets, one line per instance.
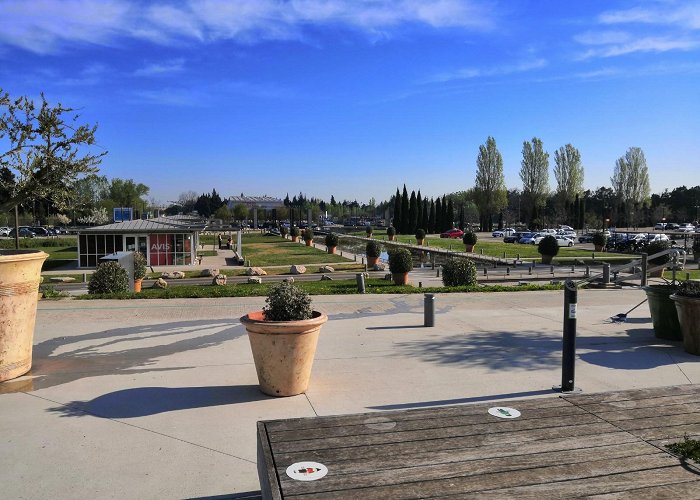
[476, 399]
[248, 495]
[124, 351]
[144, 401]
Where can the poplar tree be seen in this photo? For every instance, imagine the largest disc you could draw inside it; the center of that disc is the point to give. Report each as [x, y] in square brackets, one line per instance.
[534, 173]
[568, 172]
[490, 195]
[631, 180]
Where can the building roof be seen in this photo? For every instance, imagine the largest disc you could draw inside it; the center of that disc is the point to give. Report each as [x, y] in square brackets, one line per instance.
[160, 225]
[255, 201]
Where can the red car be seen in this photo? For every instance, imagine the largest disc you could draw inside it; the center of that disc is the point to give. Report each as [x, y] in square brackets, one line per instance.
[452, 233]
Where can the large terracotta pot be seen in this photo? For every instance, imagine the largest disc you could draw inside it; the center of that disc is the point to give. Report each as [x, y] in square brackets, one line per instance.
[283, 351]
[547, 259]
[372, 261]
[400, 278]
[330, 249]
[688, 309]
[598, 248]
[309, 242]
[295, 239]
[20, 273]
[137, 285]
[419, 242]
[468, 248]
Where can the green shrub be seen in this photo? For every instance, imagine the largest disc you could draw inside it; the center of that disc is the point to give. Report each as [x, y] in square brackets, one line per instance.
[287, 302]
[109, 277]
[373, 249]
[459, 272]
[469, 238]
[283, 230]
[139, 266]
[548, 246]
[331, 240]
[308, 234]
[689, 288]
[599, 239]
[294, 231]
[656, 247]
[420, 234]
[390, 231]
[400, 261]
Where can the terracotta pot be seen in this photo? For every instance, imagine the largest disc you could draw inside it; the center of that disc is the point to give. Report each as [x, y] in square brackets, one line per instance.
[309, 242]
[688, 309]
[547, 259]
[295, 239]
[391, 238]
[419, 242]
[330, 249]
[400, 278]
[283, 351]
[137, 285]
[372, 261]
[598, 248]
[20, 272]
[468, 248]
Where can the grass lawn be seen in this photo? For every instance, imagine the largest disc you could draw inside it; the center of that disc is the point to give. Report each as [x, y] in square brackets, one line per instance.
[263, 251]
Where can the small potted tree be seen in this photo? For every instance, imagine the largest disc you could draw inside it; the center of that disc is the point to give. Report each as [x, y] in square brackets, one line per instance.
[308, 236]
[283, 338]
[599, 241]
[687, 300]
[391, 233]
[331, 242]
[373, 251]
[469, 240]
[420, 236]
[548, 248]
[400, 264]
[139, 271]
[294, 233]
[283, 231]
[368, 231]
[653, 248]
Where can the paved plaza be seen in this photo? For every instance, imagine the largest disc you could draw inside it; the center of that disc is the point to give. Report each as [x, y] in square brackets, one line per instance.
[159, 398]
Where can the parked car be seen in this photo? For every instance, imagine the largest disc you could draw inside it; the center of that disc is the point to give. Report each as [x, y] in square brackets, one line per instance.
[586, 238]
[514, 237]
[4, 231]
[500, 233]
[532, 238]
[563, 241]
[686, 227]
[40, 231]
[566, 228]
[659, 226]
[657, 237]
[452, 233]
[24, 232]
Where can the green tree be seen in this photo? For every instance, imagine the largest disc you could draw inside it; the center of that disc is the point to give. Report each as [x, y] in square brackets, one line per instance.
[631, 180]
[223, 213]
[240, 212]
[412, 214]
[44, 150]
[419, 209]
[490, 193]
[405, 224]
[534, 173]
[450, 218]
[568, 172]
[426, 214]
[396, 222]
[127, 193]
[431, 217]
[438, 215]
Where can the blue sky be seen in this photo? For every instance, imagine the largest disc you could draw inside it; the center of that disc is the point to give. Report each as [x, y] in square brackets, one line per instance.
[353, 97]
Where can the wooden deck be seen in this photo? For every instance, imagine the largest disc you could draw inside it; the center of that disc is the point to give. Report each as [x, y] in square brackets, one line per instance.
[608, 444]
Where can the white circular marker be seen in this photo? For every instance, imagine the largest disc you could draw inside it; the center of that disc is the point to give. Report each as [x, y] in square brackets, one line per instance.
[380, 423]
[504, 412]
[307, 471]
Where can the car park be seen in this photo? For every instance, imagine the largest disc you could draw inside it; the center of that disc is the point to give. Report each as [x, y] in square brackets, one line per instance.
[514, 237]
[452, 233]
[563, 241]
[40, 231]
[532, 238]
[500, 233]
[24, 232]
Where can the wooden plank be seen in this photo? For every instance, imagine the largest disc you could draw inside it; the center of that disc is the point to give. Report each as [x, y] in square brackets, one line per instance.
[341, 462]
[430, 471]
[269, 483]
[503, 484]
[410, 442]
[426, 429]
[659, 421]
[688, 489]
[670, 432]
[400, 415]
[656, 411]
[633, 394]
[637, 482]
[641, 403]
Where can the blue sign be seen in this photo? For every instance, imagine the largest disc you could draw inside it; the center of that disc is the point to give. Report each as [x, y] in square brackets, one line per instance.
[122, 214]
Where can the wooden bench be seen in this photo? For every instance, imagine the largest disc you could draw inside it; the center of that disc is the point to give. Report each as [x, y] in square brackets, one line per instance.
[559, 447]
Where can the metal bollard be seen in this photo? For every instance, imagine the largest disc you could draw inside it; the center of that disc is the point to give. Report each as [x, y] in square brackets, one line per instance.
[355, 257]
[360, 277]
[588, 271]
[486, 272]
[551, 269]
[420, 284]
[507, 271]
[569, 345]
[645, 265]
[529, 270]
[606, 274]
[437, 275]
[429, 310]
[482, 251]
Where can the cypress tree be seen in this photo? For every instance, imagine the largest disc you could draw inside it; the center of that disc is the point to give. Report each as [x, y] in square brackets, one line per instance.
[431, 217]
[404, 212]
[438, 215]
[412, 214]
[396, 222]
[426, 211]
[461, 216]
[450, 214]
[419, 205]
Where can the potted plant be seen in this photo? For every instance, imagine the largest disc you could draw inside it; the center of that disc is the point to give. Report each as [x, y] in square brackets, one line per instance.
[368, 231]
[696, 248]
[391, 233]
[42, 153]
[687, 300]
[331, 242]
[139, 271]
[308, 236]
[400, 264]
[548, 248]
[599, 241]
[373, 251]
[653, 248]
[469, 240]
[663, 311]
[283, 338]
[294, 233]
[420, 236]
[283, 231]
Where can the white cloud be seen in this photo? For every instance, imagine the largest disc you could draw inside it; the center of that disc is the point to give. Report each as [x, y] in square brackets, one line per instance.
[685, 14]
[470, 73]
[48, 26]
[643, 44]
[162, 68]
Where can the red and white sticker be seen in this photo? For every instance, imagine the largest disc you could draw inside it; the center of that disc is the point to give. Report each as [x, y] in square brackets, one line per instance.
[504, 412]
[307, 471]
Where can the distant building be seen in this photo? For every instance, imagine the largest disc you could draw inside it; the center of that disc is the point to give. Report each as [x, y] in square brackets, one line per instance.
[260, 202]
[164, 241]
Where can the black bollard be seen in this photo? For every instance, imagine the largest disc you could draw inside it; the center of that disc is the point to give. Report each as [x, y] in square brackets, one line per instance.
[360, 282]
[429, 310]
[568, 358]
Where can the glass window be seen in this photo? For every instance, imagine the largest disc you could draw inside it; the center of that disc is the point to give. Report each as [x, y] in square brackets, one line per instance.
[100, 238]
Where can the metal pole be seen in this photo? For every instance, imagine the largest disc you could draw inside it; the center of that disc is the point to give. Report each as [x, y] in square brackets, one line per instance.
[569, 345]
[360, 277]
[645, 265]
[429, 310]
[606, 274]
[16, 228]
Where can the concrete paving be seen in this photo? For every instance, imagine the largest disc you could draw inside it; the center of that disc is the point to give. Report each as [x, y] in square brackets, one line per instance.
[159, 398]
